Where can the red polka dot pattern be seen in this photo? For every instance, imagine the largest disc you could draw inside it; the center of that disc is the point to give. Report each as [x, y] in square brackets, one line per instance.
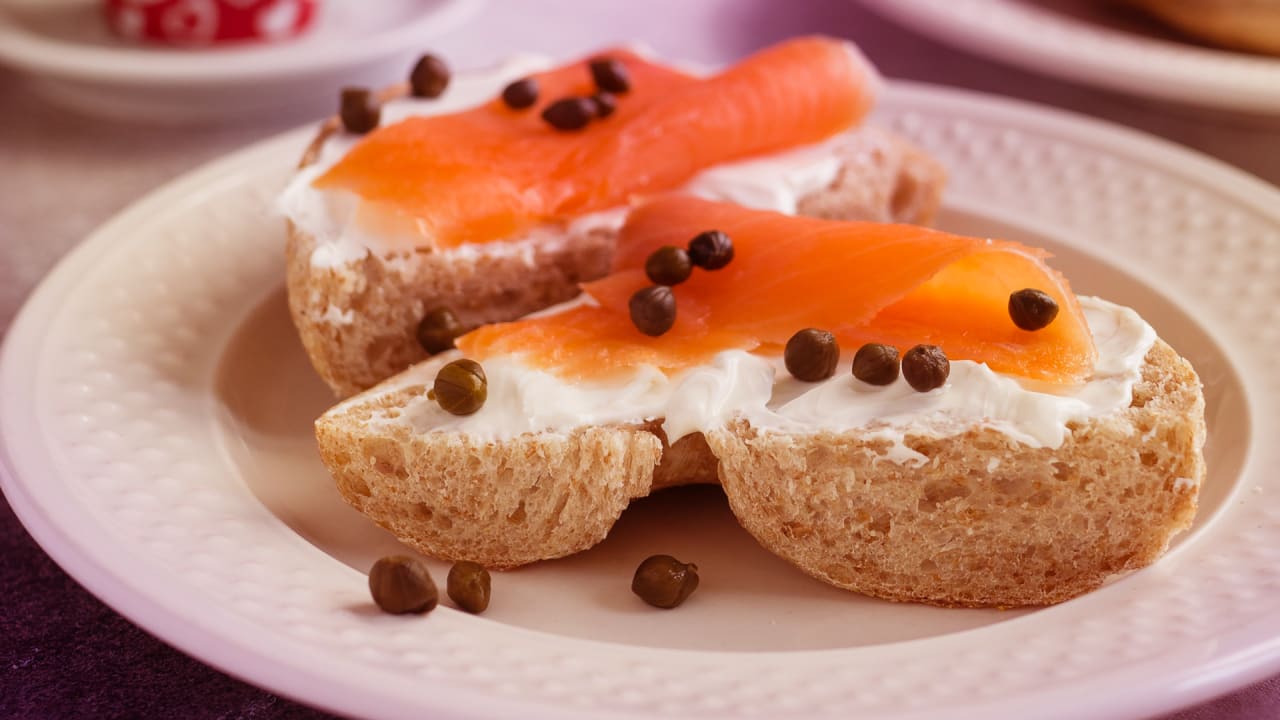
[209, 22]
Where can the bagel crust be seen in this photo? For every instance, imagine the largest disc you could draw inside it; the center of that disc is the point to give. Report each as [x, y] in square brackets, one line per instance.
[983, 521]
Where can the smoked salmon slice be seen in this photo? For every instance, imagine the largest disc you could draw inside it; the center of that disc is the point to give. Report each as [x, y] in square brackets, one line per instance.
[866, 282]
[491, 172]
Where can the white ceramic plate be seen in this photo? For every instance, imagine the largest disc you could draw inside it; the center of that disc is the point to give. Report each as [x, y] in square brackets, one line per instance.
[1093, 42]
[73, 59]
[156, 423]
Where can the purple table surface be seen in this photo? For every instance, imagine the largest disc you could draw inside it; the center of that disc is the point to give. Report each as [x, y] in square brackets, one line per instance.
[65, 654]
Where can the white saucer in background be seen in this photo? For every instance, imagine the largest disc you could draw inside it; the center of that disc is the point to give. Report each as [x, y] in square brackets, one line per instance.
[1093, 42]
[74, 60]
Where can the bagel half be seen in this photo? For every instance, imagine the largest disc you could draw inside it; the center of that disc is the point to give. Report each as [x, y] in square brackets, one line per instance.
[983, 521]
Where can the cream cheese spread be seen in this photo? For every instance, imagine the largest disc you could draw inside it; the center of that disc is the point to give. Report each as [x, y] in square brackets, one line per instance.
[774, 182]
[739, 384]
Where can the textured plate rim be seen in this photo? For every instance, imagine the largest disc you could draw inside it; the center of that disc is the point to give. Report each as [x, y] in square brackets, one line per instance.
[229, 643]
[1131, 74]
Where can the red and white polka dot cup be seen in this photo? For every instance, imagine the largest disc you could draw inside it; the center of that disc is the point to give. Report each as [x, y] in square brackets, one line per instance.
[209, 22]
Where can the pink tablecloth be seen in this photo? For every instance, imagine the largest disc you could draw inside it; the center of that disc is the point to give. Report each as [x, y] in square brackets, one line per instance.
[64, 654]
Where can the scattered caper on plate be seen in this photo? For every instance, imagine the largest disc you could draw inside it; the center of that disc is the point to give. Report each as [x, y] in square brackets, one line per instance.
[664, 582]
[468, 586]
[401, 584]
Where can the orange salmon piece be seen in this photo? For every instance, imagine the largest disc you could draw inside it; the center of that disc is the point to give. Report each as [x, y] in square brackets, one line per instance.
[865, 282]
[491, 173]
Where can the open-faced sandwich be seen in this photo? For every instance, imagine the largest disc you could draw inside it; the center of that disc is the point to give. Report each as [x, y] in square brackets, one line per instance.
[444, 204]
[899, 411]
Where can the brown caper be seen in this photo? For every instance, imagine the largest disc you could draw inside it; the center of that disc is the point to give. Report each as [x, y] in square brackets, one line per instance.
[429, 78]
[468, 586]
[711, 250]
[812, 355]
[521, 94]
[605, 103]
[610, 75]
[461, 387]
[359, 110]
[572, 113]
[401, 584]
[438, 329]
[876, 364]
[925, 367]
[1032, 309]
[668, 265]
[653, 310]
[665, 582]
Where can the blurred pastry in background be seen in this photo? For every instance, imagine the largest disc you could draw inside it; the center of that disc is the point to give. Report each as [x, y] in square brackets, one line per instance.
[1238, 24]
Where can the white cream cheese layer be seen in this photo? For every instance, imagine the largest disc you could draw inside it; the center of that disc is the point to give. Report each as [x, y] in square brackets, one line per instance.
[741, 384]
[776, 182]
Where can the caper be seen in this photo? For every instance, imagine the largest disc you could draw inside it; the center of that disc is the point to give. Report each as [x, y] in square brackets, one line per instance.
[438, 329]
[925, 367]
[571, 113]
[812, 355]
[521, 94]
[606, 104]
[1032, 309]
[668, 265]
[468, 586]
[359, 110]
[401, 584]
[610, 75]
[429, 78]
[876, 364]
[653, 310]
[711, 250]
[461, 387]
[665, 582]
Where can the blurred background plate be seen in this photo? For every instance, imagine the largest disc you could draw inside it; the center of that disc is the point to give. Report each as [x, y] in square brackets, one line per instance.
[1097, 43]
[72, 58]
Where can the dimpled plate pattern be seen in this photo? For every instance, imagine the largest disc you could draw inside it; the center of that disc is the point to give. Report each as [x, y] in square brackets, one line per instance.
[115, 465]
[1086, 41]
